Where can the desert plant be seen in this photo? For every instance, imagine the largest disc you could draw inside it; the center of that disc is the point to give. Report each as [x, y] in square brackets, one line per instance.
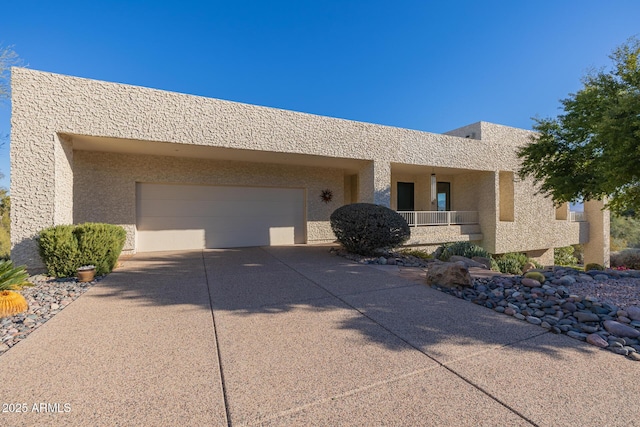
[511, 263]
[593, 266]
[365, 228]
[564, 256]
[418, 253]
[12, 279]
[535, 275]
[629, 258]
[465, 249]
[64, 248]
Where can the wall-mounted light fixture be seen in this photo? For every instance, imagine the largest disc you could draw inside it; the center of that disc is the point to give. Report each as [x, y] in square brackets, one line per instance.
[434, 188]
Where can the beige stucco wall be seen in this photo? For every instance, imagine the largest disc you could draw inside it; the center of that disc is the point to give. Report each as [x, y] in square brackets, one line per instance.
[51, 181]
[105, 185]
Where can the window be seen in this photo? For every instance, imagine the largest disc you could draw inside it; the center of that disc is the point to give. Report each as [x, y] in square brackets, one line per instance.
[506, 196]
[406, 196]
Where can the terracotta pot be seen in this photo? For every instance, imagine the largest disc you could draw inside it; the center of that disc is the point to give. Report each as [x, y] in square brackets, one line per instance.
[86, 275]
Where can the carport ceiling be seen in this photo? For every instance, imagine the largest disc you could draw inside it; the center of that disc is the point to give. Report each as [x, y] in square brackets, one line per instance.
[131, 146]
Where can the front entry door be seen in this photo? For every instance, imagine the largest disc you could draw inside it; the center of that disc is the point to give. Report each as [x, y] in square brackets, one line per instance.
[444, 196]
[405, 196]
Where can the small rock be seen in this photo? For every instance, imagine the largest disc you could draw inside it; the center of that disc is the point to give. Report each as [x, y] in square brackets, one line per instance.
[586, 317]
[634, 356]
[382, 261]
[533, 320]
[620, 330]
[566, 281]
[597, 340]
[530, 283]
[619, 350]
[633, 312]
[577, 335]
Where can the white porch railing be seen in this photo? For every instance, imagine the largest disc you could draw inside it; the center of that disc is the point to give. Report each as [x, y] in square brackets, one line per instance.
[577, 216]
[425, 218]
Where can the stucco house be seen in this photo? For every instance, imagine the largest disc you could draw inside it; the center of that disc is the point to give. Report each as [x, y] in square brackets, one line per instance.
[186, 172]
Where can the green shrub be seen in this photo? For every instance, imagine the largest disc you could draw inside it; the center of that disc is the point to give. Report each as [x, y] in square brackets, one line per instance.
[100, 245]
[593, 266]
[64, 248]
[579, 253]
[465, 249]
[365, 228]
[629, 258]
[535, 275]
[59, 250]
[511, 263]
[564, 256]
[418, 253]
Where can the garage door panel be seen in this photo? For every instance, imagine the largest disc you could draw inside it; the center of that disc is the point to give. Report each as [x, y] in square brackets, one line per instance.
[154, 208]
[194, 217]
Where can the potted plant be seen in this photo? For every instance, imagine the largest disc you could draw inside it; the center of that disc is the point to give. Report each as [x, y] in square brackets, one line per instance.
[86, 273]
[11, 279]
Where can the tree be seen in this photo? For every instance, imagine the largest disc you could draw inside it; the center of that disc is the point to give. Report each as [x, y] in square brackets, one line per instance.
[592, 151]
[8, 58]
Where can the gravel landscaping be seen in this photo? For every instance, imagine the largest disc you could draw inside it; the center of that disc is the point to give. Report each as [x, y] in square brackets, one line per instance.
[599, 307]
[46, 299]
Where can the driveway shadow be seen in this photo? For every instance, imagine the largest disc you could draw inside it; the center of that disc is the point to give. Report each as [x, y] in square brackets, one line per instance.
[276, 280]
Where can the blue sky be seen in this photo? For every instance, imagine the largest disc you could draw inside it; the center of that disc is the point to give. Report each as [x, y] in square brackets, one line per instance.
[425, 65]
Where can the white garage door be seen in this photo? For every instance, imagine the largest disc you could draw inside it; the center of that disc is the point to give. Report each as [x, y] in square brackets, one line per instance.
[178, 217]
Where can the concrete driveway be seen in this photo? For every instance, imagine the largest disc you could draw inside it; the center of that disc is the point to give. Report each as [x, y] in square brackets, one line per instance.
[296, 336]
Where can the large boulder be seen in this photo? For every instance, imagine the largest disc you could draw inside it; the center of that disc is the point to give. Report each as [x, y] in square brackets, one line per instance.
[449, 275]
[468, 262]
[486, 261]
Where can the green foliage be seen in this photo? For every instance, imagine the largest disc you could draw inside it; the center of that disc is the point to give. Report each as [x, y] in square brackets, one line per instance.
[592, 150]
[578, 252]
[625, 232]
[629, 258]
[365, 228]
[511, 263]
[59, 250]
[465, 249]
[5, 224]
[535, 275]
[593, 266]
[564, 256]
[100, 245]
[418, 253]
[8, 58]
[12, 278]
[64, 248]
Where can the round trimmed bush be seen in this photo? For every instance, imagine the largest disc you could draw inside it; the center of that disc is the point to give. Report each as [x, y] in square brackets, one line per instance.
[593, 266]
[365, 228]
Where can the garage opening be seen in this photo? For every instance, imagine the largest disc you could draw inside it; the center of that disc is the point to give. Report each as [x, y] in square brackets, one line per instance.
[183, 217]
